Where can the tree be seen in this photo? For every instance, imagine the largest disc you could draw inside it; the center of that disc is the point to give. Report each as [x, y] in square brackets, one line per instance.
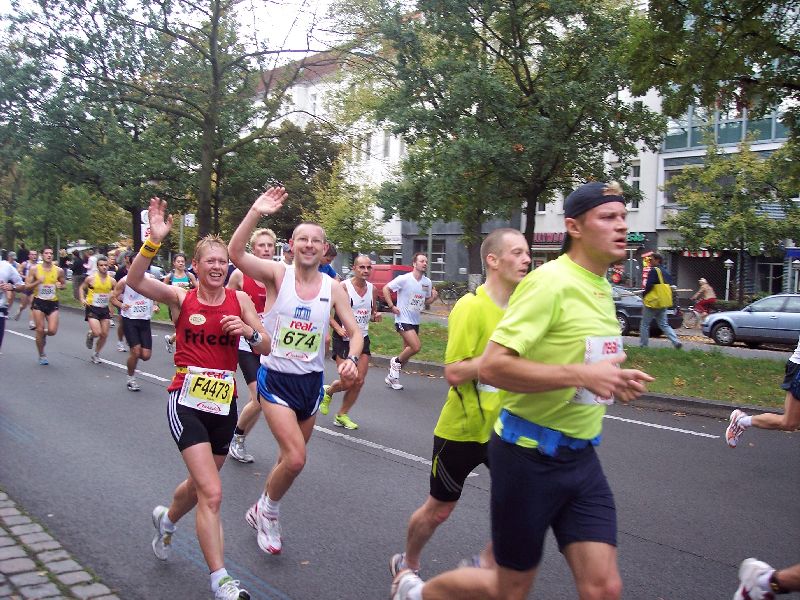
[735, 201]
[719, 52]
[347, 213]
[504, 104]
[182, 60]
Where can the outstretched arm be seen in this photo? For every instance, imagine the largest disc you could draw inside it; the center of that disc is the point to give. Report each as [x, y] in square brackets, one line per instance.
[160, 225]
[265, 271]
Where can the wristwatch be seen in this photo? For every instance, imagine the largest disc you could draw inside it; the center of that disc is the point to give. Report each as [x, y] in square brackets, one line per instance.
[354, 359]
[255, 340]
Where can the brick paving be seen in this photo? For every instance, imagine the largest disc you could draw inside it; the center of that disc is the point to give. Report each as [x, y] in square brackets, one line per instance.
[34, 565]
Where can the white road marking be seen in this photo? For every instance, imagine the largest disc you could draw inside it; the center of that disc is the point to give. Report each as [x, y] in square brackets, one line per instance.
[656, 426]
[400, 453]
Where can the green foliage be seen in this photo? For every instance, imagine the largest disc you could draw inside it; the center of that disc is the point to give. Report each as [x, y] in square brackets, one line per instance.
[718, 53]
[506, 103]
[725, 203]
[347, 214]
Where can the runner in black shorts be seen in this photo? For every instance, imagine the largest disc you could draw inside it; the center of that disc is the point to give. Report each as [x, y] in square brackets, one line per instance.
[202, 405]
[136, 312]
[364, 310]
[46, 280]
[558, 346]
[100, 286]
[461, 436]
[788, 421]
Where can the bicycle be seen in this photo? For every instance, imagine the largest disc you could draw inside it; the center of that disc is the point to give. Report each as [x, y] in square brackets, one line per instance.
[451, 292]
[693, 318]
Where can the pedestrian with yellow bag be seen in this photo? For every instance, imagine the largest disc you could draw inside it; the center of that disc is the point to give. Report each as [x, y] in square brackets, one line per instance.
[657, 299]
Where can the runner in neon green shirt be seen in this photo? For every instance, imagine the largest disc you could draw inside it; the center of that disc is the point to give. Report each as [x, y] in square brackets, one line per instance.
[556, 354]
[461, 436]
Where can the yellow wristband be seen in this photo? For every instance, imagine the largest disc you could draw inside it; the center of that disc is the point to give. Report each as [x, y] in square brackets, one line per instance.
[149, 249]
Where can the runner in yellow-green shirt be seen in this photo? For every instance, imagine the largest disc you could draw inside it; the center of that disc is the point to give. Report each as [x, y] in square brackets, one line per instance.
[461, 436]
[556, 354]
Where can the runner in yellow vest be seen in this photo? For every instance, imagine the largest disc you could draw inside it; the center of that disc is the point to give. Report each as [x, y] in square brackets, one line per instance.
[47, 279]
[99, 287]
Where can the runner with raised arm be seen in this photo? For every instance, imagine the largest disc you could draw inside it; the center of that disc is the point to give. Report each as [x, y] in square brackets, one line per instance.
[290, 379]
[202, 395]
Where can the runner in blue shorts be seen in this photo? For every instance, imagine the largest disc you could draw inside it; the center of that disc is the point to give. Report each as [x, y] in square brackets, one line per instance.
[556, 355]
[290, 378]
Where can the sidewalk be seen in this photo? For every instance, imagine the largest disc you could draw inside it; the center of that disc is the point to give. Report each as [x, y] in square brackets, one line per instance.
[33, 565]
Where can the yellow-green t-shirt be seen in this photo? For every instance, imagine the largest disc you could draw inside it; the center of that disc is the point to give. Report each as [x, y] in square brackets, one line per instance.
[471, 408]
[550, 316]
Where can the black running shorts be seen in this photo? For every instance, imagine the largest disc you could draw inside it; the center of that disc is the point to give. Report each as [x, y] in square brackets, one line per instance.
[190, 427]
[137, 332]
[451, 465]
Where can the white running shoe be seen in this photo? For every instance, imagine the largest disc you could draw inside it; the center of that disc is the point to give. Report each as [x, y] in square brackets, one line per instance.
[237, 450]
[121, 347]
[393, 383]
[229, 590]
[734, 430]
[133, 385]
[251, 516]
[749, 573]
[405, 582]
[162, 541]
[269, 534]
[96, 358]
[43, 359]
[169, 344]
[89, 340]
[31, 325]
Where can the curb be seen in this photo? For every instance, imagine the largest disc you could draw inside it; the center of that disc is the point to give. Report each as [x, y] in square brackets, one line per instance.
[662, 402]
[34, 565]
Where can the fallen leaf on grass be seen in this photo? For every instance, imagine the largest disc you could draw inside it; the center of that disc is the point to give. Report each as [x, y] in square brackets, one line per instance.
[678, 382]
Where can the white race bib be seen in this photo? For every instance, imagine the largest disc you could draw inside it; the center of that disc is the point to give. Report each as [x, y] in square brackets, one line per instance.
[208, 390]
[416, 302]
[140, 309]
[293, 338]
[598, 348]
[47, 292]
[100, 300]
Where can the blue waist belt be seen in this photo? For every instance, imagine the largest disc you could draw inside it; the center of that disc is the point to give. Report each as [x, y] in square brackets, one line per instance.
[549, 440]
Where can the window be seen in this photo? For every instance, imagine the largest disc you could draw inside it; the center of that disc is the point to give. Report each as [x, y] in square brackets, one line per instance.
[702, 126]
[436, 264]
[669, 193]
[772, 304]
[677, 133]
[403, 149]
[386, 139]
[770, 277]
[368, 146]
[541, 207]
[792, 305]
[313, 101]
[634, 180]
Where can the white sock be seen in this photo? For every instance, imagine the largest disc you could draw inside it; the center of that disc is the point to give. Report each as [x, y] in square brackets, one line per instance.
[216, 576]
[271, 507]
[131, 378]
[746, 422]
[763, 580]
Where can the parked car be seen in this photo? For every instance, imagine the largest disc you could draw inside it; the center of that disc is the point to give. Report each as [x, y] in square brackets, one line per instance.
[629, 304]
[771, 320]
[380, 276]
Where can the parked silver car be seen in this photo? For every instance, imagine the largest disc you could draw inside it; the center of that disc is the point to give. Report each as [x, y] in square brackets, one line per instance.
[771, 320]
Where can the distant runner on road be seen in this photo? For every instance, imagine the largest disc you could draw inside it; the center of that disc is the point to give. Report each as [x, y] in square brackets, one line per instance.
[202, 395]
[45, 279]
[414, 291]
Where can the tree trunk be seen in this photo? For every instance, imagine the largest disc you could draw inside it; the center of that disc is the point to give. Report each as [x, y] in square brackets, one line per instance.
[204, 181]
[531, 199]
[472, 237]
[137, 230]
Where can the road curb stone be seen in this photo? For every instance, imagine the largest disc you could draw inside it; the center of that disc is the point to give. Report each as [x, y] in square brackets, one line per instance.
[34, 565]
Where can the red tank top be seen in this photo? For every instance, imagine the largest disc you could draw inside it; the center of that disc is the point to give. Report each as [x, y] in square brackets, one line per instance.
[257, 293]
[199, 341]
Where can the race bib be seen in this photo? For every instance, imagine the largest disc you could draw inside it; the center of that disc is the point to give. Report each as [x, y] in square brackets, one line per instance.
[597, 349]
[47, 292]
[416, 302]
[208, 390]
[100, 300]
[294, 338]
[362, 318]
[140, 309]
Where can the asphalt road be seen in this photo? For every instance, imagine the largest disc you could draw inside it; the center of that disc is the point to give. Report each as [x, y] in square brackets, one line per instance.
[89, 460]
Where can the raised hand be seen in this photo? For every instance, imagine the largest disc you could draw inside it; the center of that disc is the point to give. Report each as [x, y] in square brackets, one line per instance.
[270, 201]
[160, 221]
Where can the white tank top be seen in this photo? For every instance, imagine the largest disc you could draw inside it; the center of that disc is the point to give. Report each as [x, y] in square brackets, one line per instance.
[298, 328]
[361, 305]
[139, 307]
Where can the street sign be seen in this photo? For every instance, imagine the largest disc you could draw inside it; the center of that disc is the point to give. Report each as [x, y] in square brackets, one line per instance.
[145, 217]
[188, 220]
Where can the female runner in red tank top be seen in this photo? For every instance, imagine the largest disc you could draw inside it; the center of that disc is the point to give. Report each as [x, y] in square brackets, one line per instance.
[202, 402]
